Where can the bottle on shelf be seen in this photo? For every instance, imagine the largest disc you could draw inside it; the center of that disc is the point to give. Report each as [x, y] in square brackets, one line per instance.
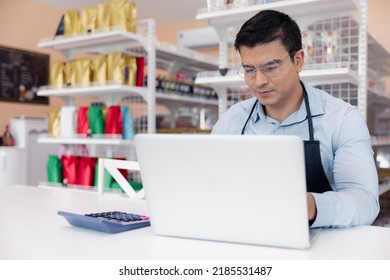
[8, 139]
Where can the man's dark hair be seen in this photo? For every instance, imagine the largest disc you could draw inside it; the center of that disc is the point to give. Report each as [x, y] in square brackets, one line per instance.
[268, 26]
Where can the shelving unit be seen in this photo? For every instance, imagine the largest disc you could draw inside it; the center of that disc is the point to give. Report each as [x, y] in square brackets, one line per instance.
[351, 76]
[310, 14]
[158, 55]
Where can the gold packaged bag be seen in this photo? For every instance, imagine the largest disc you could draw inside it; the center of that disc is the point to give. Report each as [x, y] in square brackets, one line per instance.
[131, 17]
[70, 73]
[57, 74]
[83, 71]
[130, 70]
[118, 17]
[99, 69]
[71, 22]
[89, 19]
[54, 122]
[103, 16]
[116, 67]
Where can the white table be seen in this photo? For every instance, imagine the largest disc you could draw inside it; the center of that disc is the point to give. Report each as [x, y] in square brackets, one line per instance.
[31, 229]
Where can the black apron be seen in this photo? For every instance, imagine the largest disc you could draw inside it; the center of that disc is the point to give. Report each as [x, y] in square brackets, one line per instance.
[316, 180]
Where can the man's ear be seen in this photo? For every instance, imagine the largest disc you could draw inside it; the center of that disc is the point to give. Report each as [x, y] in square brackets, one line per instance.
[299, 59]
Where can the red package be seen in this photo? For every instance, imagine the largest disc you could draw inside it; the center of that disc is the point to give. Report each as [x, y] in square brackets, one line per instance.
[82, 120]
[86, 171]
[69, 169]
[114, 123]
[140, 71]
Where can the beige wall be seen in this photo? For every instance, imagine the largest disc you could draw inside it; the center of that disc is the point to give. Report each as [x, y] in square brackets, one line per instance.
[24, 22]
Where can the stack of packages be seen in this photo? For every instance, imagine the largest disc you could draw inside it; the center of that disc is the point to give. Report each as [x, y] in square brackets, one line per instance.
[81, 171]
[95, 120]
[100, 69]
[112, 68]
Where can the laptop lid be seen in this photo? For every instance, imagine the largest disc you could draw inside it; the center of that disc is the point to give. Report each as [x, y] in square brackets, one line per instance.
[246, 189]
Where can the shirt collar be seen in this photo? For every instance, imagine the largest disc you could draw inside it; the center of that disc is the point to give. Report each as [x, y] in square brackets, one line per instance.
[315, 102]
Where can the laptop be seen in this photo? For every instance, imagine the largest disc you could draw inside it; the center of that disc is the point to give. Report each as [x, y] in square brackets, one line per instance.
[247, 189]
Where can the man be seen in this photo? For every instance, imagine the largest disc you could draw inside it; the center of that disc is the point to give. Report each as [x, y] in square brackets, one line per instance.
[341, 176]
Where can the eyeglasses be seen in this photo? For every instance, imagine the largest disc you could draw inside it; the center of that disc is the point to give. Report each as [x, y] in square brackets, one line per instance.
[270, 68]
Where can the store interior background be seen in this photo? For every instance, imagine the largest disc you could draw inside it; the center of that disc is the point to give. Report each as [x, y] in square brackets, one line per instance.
[24, 22]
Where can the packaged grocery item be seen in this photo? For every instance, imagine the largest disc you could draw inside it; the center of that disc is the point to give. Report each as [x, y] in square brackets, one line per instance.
[57, 74]
[103, 16]
[95, 120]
[113, 122]
[54, 169]
[128, 124]
[82, 120]
[115, 67]
[70, 73]
[83, 71]
[130, 70]
[99, 69]
[131, 17]
[118, 17]
[54, 121]
[68, 121]
[72, 22]
[88, 22]
[140, 71]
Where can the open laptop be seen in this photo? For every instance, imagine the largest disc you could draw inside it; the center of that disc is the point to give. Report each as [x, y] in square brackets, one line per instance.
[244, 189]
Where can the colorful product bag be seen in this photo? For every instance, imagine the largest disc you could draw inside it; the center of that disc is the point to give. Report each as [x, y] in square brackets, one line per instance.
[82, 121]
[54, 169]
[114, 124]
[128, 124]
[70, 169]
[86, 171]
[96, 120]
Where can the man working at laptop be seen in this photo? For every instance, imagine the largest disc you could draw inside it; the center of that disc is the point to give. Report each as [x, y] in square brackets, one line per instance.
[341, 176]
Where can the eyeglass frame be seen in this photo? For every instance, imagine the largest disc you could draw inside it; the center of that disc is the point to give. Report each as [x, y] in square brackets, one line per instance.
[277, 62]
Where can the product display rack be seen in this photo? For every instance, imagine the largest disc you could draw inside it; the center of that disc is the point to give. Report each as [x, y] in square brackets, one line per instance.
[158, 55]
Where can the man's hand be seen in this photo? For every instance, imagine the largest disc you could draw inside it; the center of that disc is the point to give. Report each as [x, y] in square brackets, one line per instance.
[311, 208]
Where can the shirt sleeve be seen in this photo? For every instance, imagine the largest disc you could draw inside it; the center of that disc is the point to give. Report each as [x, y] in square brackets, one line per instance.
[355, 199]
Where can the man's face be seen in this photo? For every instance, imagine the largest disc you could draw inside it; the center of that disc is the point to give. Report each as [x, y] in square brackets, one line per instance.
[276, 89]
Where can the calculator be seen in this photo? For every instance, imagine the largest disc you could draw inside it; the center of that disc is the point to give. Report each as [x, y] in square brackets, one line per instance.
[110, 222]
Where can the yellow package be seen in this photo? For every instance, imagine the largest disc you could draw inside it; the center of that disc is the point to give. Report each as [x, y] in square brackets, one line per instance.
[103, 16]
[99, 69]
[71, 22]
[118, 15]
[57, 74]
[130, 70]
[116, 68]
[89, 19]
[70, 73]
[83, 71]
[54, 122]
[131, 17]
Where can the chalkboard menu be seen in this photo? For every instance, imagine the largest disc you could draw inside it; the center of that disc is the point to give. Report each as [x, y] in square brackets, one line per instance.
[21, 74]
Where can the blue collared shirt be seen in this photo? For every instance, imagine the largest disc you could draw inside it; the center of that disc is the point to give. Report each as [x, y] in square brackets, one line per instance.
[346, 153]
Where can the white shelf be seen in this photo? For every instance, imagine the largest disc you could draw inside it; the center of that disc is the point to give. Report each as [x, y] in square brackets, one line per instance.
[295, 8]
[185, 100]
[97, 41]
[110, 93]
[106, 140]
[192, 60]
[315, 77]
[119, 40]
